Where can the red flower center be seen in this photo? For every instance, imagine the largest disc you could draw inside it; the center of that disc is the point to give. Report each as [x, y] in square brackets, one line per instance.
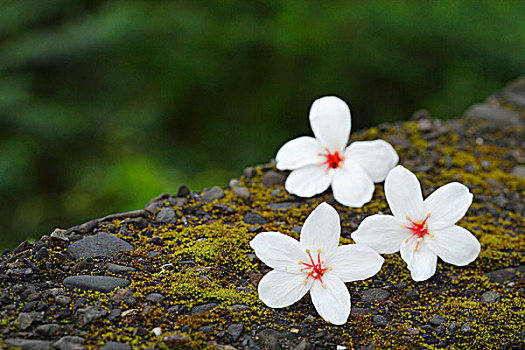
[333, 160]
[418, 229]
[314, 270]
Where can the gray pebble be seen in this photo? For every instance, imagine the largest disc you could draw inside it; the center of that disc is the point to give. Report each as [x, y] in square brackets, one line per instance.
[113, 314]
[412, 331]
[166, 216]
[249, 172]
[211, 194]
[272, 178]
[437, 320]
[26, 319]
[465, 327]
[62, 300]
[379, 320]
[101, 283]
[452, 327]
[254, 219]
[155, 298]
[241, 192]
[372, 294]
[69, 343]
[119, 268]
[519, 171]
[113, 345]
[203, 308]
[47, 330]
[240, 307]
[28, 344]
[88, 314]
[235, 330]
[490, 297]
[101, 244]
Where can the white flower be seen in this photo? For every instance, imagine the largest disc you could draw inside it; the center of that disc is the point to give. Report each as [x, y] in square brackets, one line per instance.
[314, 264]
[325, 160]
[421, 230]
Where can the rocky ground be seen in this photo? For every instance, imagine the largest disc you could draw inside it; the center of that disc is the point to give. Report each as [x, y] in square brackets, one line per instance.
[180, 272]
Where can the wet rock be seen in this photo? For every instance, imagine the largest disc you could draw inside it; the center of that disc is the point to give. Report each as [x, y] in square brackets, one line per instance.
[48, 330]
[379, 320]
[437, 320]
[119, 268]
[85, 315]
[490, 297]
[101, 244]
[211, 194]
[113, 345]
[235, 330]
[272, 178]
[166, 216]
[103, 284]
[254, 219]
[241, 192]
[372, 294]
[198, 309]
[28, 344]
[155, 298]
[69, 343]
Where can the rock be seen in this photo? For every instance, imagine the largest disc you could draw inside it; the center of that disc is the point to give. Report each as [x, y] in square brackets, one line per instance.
[156, 240]
[69, 343]
[254, 219]
[240, 308]
[241, 192]
[155, 297]
[119, 268]
[269, 339]
[206, 329]
[114, 314]
[437, 320]
[103, 284]
[372, 294]
[166, 216]
[272, 178]
[84, 264]
[88, 314]
[28, 344]
[175, 340]
[183, 191]
[502, 275]
[101, 244]
[113, 345]
[211, 194]
[465, 327]
[125, 295]
[235, 330]
[249, 172]
[490, 297]
[26, 319]
[47, 330]
[519, 171]
[62, 300]
[452, 327]
[412, 331]
[198, 309]
[361, 311]
[379, 320]
[59, 234]
[495, 115]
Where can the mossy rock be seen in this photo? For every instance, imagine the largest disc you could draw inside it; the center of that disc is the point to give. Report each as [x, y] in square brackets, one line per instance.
[194, 276]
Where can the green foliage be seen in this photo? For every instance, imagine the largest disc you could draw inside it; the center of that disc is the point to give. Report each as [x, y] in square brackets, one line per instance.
[105, 104]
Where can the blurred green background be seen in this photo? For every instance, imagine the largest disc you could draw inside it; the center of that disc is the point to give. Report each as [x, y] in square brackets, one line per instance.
[105, 104]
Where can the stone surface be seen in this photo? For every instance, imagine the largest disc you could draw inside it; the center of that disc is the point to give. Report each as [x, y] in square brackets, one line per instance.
[254, 219]
[155, 297]
[85, 315]
[166, 216]
[380, 320]
[113, 345]
[104, 284]
[115, 268]
[47, 330]
[490, 297]
[211, 194]
[235, 330]
[241, 192]
[28, 344]
[437, 320]
[101, 244]
[495, 115]
[272, 178]
[372, 294]
[203, 308]
[69, 343]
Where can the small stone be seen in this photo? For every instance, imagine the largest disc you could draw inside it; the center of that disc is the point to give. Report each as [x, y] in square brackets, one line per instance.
[183, 191]
[283, 205]
[361, 311]
[156, 240]
[519, 171]
[84, 264]
[157, 331]
[113, 314]
[241, 192]
[240, 308]
[372, 294]
[206, 329]
[425, 125]
[437, 320]
[465, 327]
[69, 343]
[254, 219]
[62, 300]
[119, 268]
[497, 116]
[58, 234]
[412, 331]
[452, 327]
[272, 178]
[101, 244]
[155, 298]
[198, 309]
[140, 331]
[125, 295]
[166, 216]
[379, 320]
[103, 284]
[211, 194]
[88, 314]
[28, 344]
[235, 330]
[269, 339]
[175, 340]
[503, 275]
[47, 330]
[113, 345]
[26, 319]
[490, 297]
[249, 172]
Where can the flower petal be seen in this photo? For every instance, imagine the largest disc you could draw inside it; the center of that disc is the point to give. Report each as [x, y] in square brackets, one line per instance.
[330, 122]
[280, 289]
[403, 194]
[279, 251]
[308, 181]
[298, 153]
[376, 157]
[354, 262]
[351, 185]
[321, 229]
[422, 262]
[447, 205]
[381, 232]
[332, 302]
[455, 245]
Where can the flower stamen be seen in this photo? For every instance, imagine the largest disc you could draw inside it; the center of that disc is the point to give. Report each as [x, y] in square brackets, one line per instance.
[333, 160]
[314, 270]
[419, 229]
